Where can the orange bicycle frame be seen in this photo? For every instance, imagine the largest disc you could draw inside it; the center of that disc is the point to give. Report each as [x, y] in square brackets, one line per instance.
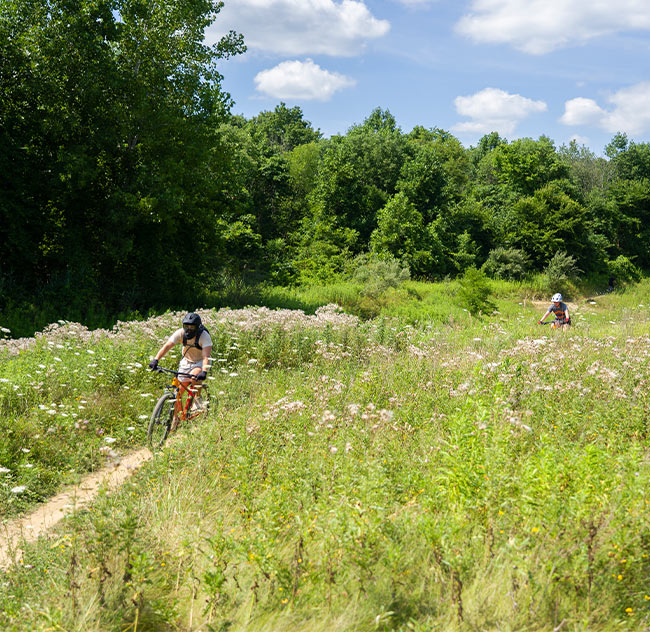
[183, 403]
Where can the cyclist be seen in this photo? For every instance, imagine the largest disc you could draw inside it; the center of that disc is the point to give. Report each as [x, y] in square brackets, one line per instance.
[197, 347]
[560, 310]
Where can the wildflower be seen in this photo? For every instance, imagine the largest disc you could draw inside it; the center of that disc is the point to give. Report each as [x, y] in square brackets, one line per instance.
[110, 439]
[19, 489]
[4, 470]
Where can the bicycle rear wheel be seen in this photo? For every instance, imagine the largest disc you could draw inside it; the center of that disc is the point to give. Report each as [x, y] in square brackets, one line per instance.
[161, 421]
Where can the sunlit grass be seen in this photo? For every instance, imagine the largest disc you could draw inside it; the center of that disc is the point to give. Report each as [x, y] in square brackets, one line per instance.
[471, 473]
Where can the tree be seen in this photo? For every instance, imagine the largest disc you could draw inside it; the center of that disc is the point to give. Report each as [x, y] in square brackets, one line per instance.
[401, 232]
[115, 151]
[631, 203]
[526, 165]
[284, 129]
[358, 172]
[546, 222]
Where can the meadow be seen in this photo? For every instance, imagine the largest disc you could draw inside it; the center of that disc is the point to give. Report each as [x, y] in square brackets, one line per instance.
[422, 470]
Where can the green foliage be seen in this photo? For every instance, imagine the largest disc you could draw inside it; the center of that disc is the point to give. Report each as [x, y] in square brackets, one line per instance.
[401, 234]
[474, 292]
[561, 272]
[506, 263]
[117, 162]
[548, 221]
[526, 165]
[623, 270]
[378, 274]
[284, 129]
[631, 209]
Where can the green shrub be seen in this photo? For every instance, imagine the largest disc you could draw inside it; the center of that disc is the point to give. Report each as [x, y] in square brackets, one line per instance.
[506, 263]
[474, 293]
[623, 270]
[561, 272]
[377, 275]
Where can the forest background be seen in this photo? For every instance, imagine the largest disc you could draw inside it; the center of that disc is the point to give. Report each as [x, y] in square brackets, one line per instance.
[127, 186]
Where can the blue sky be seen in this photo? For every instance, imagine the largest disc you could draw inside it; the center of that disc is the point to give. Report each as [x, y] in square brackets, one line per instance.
[564, 68]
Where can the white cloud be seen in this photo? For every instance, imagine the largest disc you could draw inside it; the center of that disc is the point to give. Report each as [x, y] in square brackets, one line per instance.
[300, 27]
[629, 112]
[582, 111]
[540, 26]
[297, 80]
[494, 110]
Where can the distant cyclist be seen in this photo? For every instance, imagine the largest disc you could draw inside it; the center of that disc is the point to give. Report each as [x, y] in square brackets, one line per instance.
[560, 310]
[197, 347]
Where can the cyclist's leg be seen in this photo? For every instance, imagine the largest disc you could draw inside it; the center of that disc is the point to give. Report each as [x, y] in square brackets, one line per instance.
[194, 386]
[200, 391]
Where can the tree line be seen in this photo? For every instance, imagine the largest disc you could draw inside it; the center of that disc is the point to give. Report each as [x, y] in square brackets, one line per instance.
[127, 183]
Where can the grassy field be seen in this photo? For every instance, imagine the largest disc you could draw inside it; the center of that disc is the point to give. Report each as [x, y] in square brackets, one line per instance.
[424, 470]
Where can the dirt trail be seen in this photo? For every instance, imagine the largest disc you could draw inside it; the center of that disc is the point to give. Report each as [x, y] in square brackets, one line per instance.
[30, 527]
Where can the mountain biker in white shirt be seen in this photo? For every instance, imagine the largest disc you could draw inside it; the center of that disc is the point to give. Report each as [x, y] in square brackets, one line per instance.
[197, 347]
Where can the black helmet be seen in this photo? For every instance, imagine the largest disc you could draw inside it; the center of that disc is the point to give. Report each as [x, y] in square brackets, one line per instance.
[191, 324]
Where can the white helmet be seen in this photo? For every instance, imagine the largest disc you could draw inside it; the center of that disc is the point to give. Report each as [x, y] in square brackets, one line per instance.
[557, 298]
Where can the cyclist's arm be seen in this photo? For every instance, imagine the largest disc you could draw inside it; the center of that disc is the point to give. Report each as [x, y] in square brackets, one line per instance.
[206, 357]
[566, 313]
[541, 320]
[164, 349]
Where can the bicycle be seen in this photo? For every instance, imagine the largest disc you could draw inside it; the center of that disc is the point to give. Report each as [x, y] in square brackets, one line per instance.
[181, 402]
[556, 324]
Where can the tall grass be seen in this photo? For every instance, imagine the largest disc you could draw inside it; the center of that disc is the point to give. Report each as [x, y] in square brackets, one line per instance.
[474, 473]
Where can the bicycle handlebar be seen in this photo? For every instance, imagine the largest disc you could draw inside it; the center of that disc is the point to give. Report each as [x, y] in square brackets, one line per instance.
[160, 369]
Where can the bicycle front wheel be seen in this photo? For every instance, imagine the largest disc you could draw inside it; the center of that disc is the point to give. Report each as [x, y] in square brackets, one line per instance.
[161, 421]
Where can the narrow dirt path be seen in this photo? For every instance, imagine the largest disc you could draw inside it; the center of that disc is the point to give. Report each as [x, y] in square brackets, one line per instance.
[28, 528]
